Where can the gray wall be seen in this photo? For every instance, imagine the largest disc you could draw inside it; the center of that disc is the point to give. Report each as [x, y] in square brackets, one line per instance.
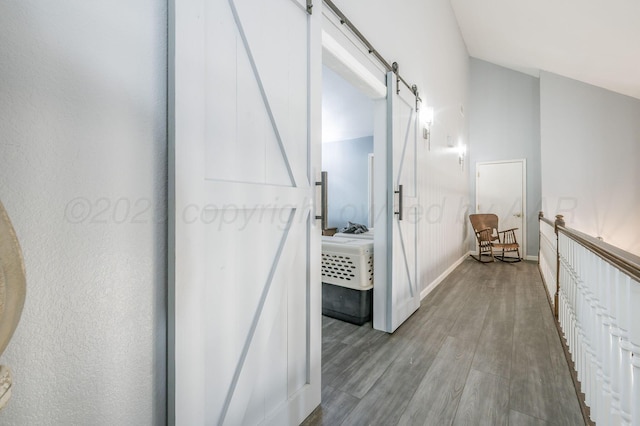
[590, 156]
[82, 176]
[347, 165]
[504, 124]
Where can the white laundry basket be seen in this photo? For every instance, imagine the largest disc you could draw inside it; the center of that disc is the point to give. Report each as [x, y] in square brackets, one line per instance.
[347, 262]
[347, 279]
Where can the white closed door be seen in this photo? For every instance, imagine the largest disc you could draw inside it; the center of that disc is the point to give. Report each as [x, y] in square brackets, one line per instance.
[400, 216]
[500, 189]
[244, 299]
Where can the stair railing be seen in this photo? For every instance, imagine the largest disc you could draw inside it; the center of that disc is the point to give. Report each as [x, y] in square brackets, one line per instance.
[595, 296]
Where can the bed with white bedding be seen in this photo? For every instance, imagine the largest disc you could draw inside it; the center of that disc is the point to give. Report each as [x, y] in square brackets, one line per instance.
[363, 236]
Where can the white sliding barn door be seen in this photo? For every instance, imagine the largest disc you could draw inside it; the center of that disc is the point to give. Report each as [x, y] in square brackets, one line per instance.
[245, 303]
[400, 216]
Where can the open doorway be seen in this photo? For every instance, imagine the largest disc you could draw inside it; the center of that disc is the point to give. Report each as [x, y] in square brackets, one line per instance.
[347, 246]
[347, 144]
[392, 267]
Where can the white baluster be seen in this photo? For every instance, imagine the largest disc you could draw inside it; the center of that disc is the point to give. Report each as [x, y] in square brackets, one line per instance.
[605, 340]
[604, 413]
[564, 288]
[635, 393]
[571, 311]
[625, 348]
[597, 340]
[575, 324]
[589, 321]
[591, 365]
[577, 328]
[569, 292]
[634, 338]
[595, 321]
[583, 328]
[564, 291]
[563, 301]
[614, 348]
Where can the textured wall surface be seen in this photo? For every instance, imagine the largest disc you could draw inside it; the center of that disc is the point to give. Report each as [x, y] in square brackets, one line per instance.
[82, 175]
[590, 151]
[423, 37]
[504, 124]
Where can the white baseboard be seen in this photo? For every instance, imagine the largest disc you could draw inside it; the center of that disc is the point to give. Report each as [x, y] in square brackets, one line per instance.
[533, 258]
[428, 289]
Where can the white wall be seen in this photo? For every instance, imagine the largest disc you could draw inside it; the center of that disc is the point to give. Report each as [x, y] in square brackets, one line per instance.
[82, 175]
[424, 39]
[590, 154]
[504, 124]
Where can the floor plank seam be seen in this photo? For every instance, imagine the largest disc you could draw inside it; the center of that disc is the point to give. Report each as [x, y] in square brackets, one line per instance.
[466, 379]
[513, 350]
[529, 415]
[455, 414]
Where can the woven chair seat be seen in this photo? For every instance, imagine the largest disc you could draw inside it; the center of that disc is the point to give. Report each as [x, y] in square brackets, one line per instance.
[500, 246]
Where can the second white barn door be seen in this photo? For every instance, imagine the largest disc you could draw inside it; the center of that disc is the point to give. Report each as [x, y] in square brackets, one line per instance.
[500, 189]
[398, 164]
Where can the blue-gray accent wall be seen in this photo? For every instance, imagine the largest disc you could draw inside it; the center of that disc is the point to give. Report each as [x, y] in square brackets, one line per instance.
[504, 124]
[347, 165]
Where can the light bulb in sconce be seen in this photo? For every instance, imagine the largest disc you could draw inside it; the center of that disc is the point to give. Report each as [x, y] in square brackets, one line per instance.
[426, 115]
[426, 118]
[462, 150]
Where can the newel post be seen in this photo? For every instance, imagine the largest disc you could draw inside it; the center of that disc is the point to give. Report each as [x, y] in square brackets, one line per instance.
[559, 222]
[540, 216]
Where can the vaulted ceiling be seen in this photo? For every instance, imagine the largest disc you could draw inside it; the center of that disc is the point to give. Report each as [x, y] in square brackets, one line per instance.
[594, 41]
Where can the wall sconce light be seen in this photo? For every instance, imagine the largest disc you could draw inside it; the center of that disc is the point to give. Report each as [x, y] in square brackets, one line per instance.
[426, 118]
[462, 150]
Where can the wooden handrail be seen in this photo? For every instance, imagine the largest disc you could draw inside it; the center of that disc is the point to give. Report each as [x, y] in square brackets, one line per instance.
[627, 262]
[545, 220]
[621, 259]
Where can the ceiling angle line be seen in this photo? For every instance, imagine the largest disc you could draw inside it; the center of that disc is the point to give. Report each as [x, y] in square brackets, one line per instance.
[345, 21]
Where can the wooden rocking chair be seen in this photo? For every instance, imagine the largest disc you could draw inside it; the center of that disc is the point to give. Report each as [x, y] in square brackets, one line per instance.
[485, 226]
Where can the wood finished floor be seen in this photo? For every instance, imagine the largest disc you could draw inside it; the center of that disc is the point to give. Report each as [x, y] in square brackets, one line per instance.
[481, 350]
